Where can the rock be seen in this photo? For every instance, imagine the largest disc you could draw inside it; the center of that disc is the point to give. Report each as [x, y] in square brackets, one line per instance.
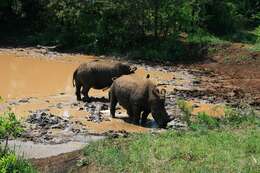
[176, 124]
[106, 119]
[75, 104]
[13, 102]
[116, 134]
[40, 125]
[59, 106]
[104, 107]
[24, 100]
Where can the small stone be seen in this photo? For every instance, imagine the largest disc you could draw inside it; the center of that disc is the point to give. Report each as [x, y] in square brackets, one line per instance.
[24, 100]
[59, 105]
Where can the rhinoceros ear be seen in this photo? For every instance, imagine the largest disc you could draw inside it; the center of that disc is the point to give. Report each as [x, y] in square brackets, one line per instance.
[163, 92]
[156, 91]
[133, 69]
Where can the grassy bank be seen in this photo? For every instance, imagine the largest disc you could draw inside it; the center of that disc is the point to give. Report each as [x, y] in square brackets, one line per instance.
[233, 145]
[213, 151]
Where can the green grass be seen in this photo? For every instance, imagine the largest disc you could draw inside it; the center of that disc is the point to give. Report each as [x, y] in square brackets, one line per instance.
[231, 144]
[256, 46]
[202, 37]
[192, 151]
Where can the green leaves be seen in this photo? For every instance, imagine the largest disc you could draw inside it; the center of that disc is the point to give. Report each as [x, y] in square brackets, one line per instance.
[10, 163]
[9, 126]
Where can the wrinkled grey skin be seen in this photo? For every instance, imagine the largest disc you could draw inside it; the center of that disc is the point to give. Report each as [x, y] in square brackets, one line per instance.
[138, 96]
[97, 75]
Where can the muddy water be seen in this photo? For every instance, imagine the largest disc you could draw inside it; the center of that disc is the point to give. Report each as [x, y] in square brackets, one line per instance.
[24, 77]
[43, 79]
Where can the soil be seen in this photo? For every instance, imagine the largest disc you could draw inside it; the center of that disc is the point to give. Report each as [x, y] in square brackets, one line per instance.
[239, 69]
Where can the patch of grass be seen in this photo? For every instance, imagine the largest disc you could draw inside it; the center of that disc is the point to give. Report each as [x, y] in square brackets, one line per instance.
[256, 46]
[204, 37]
[190, 151]
[242, 59]
[238, 116]
[227, 60]
[186, 111]
[230, 144]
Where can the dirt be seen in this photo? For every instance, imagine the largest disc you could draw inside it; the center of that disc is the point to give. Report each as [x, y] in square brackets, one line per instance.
[58, 164]
[39, 80]
[238, 69]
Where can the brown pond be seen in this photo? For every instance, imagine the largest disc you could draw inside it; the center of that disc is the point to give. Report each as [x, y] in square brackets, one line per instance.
[43, 79]
[23, 75]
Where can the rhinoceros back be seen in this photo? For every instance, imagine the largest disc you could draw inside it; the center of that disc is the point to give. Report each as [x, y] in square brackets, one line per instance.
[97, 74]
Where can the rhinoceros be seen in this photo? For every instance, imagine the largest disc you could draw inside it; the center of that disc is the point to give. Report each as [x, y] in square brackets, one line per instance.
[97, 75]
[139, 95]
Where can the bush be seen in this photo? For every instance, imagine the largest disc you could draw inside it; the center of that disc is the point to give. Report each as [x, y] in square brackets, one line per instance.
[10, 127]
[10, 163]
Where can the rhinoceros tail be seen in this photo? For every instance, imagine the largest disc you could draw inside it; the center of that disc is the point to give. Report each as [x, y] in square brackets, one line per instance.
[73, 78]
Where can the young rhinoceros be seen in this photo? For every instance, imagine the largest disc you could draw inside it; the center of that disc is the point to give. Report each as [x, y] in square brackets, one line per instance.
[97, 75]
[138, 96]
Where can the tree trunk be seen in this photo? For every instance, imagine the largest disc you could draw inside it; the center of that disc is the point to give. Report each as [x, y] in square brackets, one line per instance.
[156, 10]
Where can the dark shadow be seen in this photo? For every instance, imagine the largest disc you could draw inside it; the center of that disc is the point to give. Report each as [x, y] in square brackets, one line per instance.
[99, 99]
[241, 37]
[149, 124]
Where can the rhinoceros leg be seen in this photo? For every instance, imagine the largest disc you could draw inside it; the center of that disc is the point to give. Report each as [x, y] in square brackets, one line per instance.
[136, 114]
[144, 117]
[78, 88]
[85, 93]
[113, 102]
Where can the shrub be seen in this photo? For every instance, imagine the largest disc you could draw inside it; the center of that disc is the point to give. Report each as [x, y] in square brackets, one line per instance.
[10, 163]
[186, 111]
[10, 127]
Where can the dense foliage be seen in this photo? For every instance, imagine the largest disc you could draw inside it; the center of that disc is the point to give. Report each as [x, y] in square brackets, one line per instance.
[101, 26]
[10, 163]
[10, 128]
